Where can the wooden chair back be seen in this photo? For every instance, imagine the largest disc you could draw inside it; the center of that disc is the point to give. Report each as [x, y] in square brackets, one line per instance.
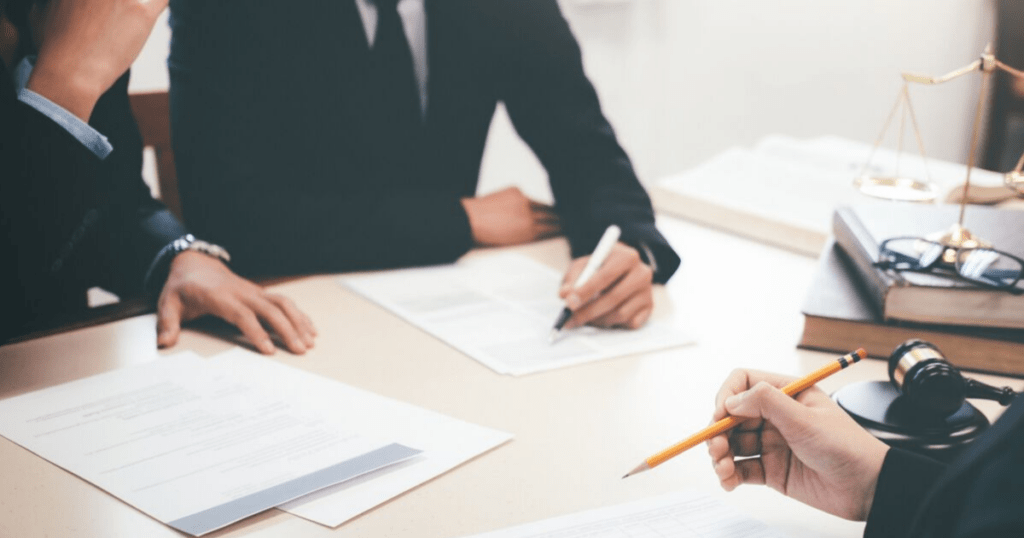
[153, 114]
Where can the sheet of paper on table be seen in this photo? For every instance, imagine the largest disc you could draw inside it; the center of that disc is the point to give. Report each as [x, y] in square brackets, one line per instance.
[679, 515]
[201, 443]
[499, 310]
[446, 443]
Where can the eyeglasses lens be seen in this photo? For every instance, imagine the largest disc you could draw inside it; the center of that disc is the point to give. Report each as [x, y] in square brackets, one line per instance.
[913, 254]
[988, 267]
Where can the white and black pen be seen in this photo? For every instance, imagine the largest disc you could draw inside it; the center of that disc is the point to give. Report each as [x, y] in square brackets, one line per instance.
[604, 247]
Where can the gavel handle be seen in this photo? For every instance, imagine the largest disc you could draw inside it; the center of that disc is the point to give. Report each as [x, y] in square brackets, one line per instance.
[977, 389]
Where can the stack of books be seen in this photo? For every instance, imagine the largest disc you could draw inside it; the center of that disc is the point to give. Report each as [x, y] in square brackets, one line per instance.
[852, 303]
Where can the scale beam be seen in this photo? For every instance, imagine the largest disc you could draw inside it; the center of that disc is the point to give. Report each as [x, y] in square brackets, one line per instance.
[925, 79]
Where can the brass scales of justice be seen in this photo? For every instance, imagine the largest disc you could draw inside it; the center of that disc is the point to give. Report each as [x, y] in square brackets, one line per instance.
[915, 190]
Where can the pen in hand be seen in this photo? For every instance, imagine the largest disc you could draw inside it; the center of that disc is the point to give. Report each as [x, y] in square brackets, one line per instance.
[604, 247]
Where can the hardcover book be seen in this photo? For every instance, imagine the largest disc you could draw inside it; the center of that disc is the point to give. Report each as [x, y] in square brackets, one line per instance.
[930, 297]
[838, 317]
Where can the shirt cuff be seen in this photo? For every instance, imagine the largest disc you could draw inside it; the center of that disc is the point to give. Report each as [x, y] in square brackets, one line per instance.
[89, 137]
[647, 255]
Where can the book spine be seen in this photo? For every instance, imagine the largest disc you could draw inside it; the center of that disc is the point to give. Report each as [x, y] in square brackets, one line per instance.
[862, 250]
[971, 353]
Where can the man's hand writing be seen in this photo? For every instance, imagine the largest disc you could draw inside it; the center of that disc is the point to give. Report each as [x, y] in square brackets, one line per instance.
[620, 294]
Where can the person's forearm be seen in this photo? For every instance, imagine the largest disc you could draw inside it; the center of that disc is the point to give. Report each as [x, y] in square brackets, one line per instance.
[73, 123]
[85, 46]
[74, 94]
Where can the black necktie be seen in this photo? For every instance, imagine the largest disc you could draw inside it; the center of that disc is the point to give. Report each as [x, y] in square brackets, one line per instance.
[396, 102]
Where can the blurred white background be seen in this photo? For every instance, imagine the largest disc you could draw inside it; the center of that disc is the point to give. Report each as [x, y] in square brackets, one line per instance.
[681, 80]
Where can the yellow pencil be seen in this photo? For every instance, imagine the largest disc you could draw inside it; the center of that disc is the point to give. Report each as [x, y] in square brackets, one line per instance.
[729, 423]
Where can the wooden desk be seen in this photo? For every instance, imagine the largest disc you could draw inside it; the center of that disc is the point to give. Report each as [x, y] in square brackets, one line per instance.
[577, 429]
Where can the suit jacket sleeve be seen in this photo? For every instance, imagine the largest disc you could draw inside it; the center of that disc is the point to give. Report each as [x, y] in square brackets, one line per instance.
[136, 226]
[977, 495]
[984, 497]
[539, 76]
[903, 484]
[69, 219]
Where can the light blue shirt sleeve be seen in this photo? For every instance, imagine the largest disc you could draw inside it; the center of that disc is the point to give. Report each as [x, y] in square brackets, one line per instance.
[82, 131]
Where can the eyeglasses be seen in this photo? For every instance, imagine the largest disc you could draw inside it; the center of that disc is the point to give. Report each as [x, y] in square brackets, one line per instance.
[983, 266]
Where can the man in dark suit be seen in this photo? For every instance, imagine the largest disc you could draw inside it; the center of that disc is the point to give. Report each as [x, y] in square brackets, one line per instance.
[808, 448]
[323, 136]
[74, 211]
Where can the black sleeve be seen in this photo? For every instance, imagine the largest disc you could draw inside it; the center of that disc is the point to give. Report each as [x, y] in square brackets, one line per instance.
[50, 186]
[136, 226]
[986, 496]
[68, 219]
[556, 111]
[903, 484]
[995, 503]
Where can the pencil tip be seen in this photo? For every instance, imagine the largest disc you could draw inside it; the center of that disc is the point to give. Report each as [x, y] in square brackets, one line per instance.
[639, 469]
[552, 336]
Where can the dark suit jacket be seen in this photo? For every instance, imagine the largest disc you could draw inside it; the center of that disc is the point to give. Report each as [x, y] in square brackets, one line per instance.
[980, 494]
[68, 220]
[271, 134]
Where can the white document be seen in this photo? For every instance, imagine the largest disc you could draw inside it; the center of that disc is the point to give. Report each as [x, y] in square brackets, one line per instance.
[200, 443]
[679, 515]
[446, 443]
[499, 310]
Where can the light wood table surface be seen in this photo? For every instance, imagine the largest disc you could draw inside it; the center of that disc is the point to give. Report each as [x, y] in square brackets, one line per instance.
[577, 430]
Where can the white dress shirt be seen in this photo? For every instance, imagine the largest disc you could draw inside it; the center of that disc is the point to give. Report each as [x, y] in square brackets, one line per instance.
[414, 22]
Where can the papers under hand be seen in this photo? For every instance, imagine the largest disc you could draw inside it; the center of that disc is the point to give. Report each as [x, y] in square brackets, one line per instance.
[446, 443]
[680, 515]
[497, 309]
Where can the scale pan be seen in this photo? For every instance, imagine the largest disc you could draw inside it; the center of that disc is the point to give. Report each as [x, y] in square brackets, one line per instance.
[903, 189]
[1015, 181]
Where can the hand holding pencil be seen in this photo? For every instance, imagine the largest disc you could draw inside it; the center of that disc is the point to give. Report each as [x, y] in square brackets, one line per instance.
[805, 446]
